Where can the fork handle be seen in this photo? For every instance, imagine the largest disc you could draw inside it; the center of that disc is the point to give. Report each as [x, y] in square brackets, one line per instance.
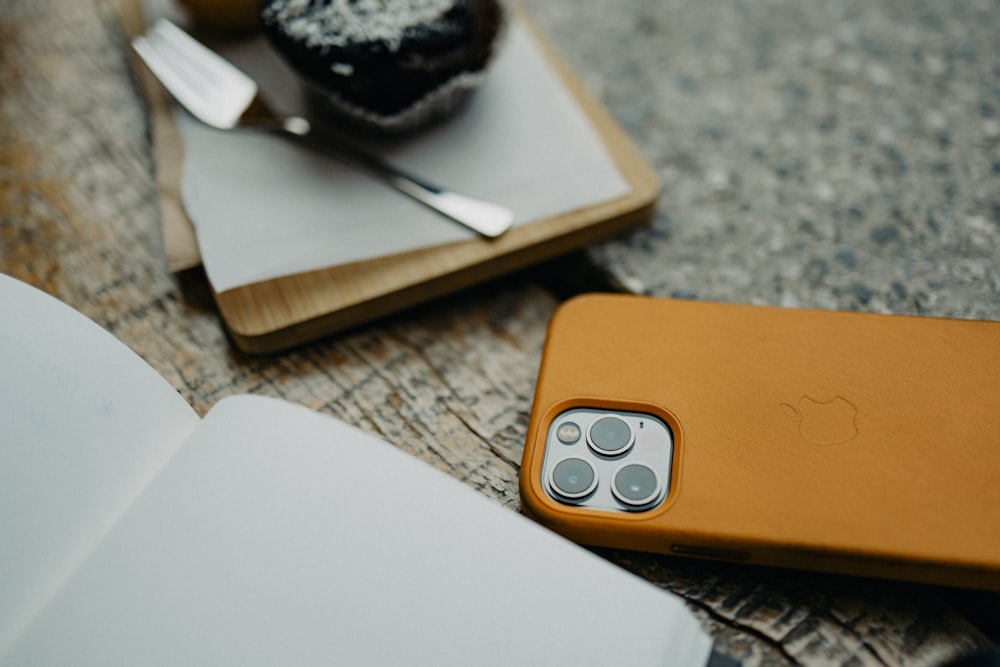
[489, 219]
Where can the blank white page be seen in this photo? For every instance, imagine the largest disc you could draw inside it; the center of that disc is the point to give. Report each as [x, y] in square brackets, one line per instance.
[84, 424]
[280, 536]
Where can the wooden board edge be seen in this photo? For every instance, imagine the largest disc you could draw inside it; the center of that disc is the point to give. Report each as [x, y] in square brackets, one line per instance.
[305, 331]
[179, 242]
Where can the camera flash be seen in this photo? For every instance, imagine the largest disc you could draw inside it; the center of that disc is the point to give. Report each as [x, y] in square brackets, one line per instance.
[568, 433]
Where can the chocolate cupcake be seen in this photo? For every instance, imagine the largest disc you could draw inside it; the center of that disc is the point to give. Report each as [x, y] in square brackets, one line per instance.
[390, 66]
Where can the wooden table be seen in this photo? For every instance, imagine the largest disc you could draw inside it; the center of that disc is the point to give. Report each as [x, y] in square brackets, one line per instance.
[840, 156]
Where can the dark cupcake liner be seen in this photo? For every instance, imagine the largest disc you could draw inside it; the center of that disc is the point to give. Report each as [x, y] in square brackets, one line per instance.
[433, 107]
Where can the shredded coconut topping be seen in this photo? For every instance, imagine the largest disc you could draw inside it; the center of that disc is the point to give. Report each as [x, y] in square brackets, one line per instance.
[342, 22]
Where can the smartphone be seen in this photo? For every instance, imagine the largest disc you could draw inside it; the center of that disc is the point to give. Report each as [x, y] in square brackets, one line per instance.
[844, 442]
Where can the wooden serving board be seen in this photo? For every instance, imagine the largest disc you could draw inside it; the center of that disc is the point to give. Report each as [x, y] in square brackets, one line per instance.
[276, 314]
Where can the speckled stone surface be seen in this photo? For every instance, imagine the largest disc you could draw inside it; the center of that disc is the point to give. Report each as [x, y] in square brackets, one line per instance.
[839, 155]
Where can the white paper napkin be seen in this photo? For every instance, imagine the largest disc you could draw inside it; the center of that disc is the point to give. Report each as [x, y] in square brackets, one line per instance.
[264, 207]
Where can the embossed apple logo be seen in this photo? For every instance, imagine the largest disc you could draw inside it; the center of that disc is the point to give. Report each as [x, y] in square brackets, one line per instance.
[825, 423]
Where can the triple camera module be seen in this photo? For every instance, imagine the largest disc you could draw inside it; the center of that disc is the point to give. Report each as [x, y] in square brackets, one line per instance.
[608, 459]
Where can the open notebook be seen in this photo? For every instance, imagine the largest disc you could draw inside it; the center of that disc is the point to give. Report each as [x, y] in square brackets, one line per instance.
[133, 532]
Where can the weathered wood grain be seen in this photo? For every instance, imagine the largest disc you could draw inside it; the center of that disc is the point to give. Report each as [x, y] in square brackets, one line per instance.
[450, 382]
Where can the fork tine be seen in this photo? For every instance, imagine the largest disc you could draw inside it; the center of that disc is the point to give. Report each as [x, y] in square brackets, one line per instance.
[213, 68]
[209, 87]
[177, 85]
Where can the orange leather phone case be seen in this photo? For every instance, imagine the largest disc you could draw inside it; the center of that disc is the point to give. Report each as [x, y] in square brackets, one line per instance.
[844, 442]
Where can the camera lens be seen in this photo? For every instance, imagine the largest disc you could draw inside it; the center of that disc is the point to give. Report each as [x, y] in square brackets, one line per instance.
[610, 436]
[573, 478]
[636, 485]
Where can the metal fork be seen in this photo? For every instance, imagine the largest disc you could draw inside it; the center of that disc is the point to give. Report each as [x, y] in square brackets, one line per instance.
[222, 96]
